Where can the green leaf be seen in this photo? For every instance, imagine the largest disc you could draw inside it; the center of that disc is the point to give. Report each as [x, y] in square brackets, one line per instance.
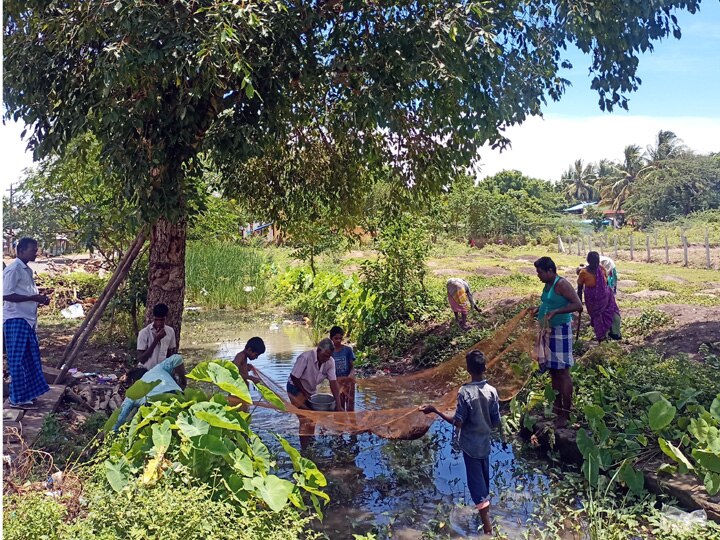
[117, 473]
[221, 418]
[270, 396]
[634, 479]
[594, 412]
[549, 393]
[708, 460]
[194, 394]
[161, 437]
[191, 426]
[712, 483]
[273, 490]
[242, 463]
[201, 371]
[210, 443]
[140, 389]
[715, 408]
[673, 452]
[667, 468]
[661, 414]
[585, 443]
[231, 382]
[107, 428]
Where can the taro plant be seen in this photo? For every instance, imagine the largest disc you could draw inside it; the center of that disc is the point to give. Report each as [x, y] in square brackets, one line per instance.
[209, 439]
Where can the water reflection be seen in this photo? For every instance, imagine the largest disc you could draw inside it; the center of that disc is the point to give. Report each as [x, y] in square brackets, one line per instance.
[398, 488]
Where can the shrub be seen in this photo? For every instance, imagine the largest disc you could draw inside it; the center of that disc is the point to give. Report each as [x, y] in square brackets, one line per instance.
[32, 516]
[173, 511]
[648, 322]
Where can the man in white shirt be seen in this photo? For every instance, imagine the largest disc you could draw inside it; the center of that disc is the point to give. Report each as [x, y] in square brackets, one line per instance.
[20, 301]
[310, 369]
[156, 341]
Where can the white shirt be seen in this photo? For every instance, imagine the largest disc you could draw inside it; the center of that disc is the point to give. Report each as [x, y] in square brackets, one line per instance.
[146, 336]
[18, 279]
[306, 369]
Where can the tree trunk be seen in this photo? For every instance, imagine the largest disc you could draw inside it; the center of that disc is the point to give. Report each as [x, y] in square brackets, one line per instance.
[166, 277]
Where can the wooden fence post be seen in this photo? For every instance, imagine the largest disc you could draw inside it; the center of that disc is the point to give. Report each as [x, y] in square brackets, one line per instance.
[656, 237]
[615, 248]
[590, 246]
[632, 247]
[578, 246]
[667, 251]
[707, 249]
[561, 248]
[685, 247]
[647, 247]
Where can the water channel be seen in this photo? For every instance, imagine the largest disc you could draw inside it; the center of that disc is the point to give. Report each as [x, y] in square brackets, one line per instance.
[397, 488]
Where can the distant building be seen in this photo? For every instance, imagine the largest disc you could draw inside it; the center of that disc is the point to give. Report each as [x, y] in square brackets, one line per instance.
[266, 230]
[579, 209]
[616, 217]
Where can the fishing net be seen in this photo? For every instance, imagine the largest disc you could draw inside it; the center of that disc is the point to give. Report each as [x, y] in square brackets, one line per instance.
[395, 416]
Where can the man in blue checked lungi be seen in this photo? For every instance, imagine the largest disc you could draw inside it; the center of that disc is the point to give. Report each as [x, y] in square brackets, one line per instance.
[21, 299]
[558, 302]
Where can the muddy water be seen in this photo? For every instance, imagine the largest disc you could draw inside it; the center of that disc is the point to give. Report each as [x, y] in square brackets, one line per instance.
[398, 489]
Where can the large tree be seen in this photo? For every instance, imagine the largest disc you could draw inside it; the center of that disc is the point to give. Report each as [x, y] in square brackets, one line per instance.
[578, 181]
[416, 86]
[619, 184]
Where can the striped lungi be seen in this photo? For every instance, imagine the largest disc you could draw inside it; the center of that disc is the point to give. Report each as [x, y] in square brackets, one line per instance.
[560, 342]
[23, 357]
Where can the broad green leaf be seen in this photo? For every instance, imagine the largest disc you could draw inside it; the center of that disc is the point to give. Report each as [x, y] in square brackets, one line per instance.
[270, 396]
[191, 426]
[273, 490]
[140, 389]
[634, 479]
[161, 436]
[667, 468]
[221, 420]
[699, 429]
[712, 483]
[242, 463]
[107, 428]
[585, 443]
[661, 414]
[653, 396]
[229, 381]
[549, 393]
[594, 412]
[117, 473]
[201, 371]
[708, 460]
[195, 394]
[210, 443]
[152, 471]
[673, 452]
[591, 469]
[715, 408]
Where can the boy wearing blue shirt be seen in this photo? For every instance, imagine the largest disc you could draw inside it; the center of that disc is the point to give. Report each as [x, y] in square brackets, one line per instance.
[344, 368]
[477, 413]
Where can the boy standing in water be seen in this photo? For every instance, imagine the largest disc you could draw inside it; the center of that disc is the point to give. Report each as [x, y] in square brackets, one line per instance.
[477, 413]
[344, 368]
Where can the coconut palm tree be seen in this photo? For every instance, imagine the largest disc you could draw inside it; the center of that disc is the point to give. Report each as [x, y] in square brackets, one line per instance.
[667, 146]
[616, 191]
[578, 179]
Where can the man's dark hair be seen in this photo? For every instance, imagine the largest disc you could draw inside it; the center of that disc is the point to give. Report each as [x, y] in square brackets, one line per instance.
[160, 310]
[545, 264]
[475, 362]
[593, 259]
[335, 330]
[25, 243]
[256, 344]
[134, 375]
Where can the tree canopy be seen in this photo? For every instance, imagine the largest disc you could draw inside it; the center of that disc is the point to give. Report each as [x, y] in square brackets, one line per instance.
[416, 86]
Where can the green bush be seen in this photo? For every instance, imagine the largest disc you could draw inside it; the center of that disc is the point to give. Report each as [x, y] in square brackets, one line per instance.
[173, 511]
[32, 516]
[67, 446]
[69, 288]
[646, 323]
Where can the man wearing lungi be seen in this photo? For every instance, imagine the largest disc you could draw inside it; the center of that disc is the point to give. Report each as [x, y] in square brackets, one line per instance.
[21, 299]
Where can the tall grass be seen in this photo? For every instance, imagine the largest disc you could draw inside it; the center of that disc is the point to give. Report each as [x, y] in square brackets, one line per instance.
[220, 274]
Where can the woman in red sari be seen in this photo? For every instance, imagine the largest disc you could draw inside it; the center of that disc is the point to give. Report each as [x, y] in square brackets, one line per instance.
[599, 299]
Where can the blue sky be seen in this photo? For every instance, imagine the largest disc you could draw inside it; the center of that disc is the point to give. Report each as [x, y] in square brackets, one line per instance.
[680, 92]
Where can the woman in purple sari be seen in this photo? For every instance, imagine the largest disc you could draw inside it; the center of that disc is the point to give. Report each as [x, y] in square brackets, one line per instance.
[599, 299]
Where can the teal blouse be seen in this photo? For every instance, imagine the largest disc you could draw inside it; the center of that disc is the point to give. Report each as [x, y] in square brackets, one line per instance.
[551, 301]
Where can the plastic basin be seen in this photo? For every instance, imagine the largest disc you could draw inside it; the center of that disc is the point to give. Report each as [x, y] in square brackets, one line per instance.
[322, 402]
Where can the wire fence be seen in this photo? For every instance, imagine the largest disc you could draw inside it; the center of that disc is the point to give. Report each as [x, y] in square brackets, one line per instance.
[687, 246]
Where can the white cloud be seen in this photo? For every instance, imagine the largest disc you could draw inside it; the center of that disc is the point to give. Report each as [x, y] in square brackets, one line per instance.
[544, 148]
[14, 156]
